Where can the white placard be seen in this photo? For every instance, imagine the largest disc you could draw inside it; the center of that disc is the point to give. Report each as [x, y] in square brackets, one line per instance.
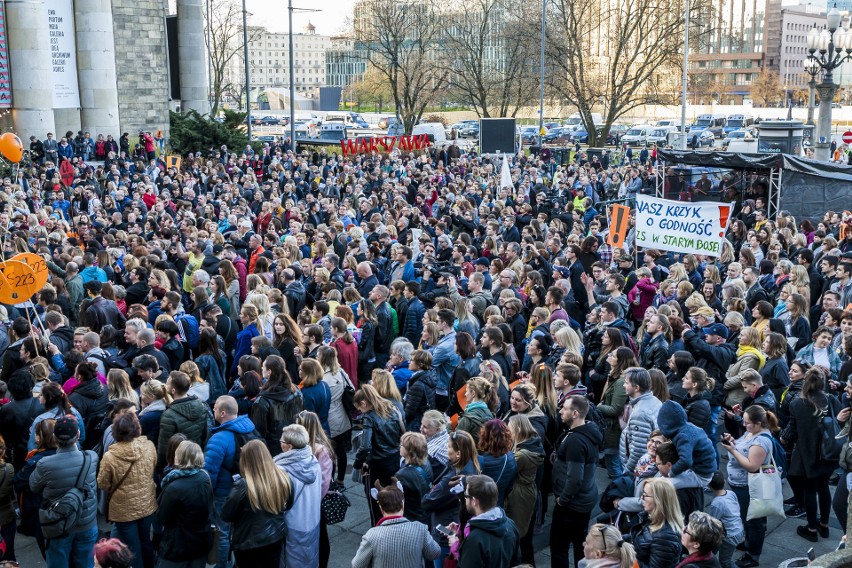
[63, 53]
[696, 228]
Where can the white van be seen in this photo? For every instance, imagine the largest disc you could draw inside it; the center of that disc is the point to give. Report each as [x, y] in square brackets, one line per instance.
[435, 130]
[575, 121]
[660, 134]
[637, 135]
[668, 122]
[348, 119]
[713, 122]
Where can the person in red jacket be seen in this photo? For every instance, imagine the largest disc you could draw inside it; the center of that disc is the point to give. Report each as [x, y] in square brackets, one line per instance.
[347, 349]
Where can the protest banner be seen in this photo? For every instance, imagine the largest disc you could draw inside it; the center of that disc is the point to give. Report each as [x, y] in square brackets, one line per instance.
[618, 225]
[695, 228]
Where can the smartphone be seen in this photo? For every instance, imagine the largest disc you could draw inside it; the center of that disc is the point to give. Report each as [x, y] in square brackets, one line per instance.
[444, 530]
[811, 555]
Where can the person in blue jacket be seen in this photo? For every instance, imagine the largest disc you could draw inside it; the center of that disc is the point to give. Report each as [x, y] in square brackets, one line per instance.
[249, 317]
[696, 462]
[221, 459]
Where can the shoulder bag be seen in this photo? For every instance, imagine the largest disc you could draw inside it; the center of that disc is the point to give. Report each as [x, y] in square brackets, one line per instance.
[109, 495]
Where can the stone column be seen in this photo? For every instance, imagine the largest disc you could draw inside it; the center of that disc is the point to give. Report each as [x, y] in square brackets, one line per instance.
[96, 67]
[822, 151]
[192, 55]
[29, 62]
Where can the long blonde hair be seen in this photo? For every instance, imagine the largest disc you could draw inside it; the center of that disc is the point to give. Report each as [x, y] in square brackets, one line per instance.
[268, 486]
[666, 509]
[118, 386]
[385, 385]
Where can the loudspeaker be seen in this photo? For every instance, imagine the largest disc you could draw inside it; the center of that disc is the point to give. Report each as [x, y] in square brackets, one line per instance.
[497, 135]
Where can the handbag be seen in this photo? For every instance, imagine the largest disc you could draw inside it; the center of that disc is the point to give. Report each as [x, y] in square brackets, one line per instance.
[213, 552]
[109, 495]
[348, 397]
[831, 440]
[764, 492]
[334, 504]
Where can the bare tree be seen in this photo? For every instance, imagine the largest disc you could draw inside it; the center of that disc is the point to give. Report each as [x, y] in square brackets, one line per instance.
[766, 87]
[224, 43]
[401, 38]
[488, 56]
[370, 88]
[622, 53]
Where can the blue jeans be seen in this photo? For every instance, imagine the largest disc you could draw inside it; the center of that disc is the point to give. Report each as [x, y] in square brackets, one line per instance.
[614, 467]
[74, 550]
[712, 427]
[439, 562]
[224, 532]
[137, 536]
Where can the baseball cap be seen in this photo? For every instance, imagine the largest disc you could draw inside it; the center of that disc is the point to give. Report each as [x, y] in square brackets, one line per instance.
[704, 311]
[66, 428]
[482, 261]
[716, 329]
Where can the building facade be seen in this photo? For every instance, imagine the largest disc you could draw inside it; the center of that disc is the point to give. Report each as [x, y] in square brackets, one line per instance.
[344, 63]
[787, 46]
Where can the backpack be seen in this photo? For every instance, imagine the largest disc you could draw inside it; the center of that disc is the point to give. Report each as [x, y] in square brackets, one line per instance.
[594, 415]
[828, 431]
[105, 359]
[240, 440]
[189, 330]
[62, 515]
[779, 454]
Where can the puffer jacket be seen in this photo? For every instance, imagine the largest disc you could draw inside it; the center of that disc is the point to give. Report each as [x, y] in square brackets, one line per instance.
[55, 475]
[642, 421]
[221, 451]
[135, 496]
[90, 399]
[184, 511]
[657, 549]
[698, 409]
[416, 482]
[380, 437]
[187, 416]
[574, 469]
[419, 397]
[612, 404]
[249, 528]
[694, 449]
[303, 517]
[272, 410]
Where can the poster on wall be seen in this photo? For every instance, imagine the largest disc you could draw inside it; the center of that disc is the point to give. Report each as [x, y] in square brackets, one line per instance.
[5, 74]
[63, 53]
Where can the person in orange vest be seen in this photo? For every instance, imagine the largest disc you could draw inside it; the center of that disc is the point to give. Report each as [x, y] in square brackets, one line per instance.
[256, 247]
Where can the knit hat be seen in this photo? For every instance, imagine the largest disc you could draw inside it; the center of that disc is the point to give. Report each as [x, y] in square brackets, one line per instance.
[66, 428]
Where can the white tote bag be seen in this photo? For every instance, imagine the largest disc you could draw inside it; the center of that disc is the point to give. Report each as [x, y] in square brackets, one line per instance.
[764, 491]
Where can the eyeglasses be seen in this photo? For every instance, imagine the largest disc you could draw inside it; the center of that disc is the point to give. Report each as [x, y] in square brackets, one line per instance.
[687, 531]
[646, 496]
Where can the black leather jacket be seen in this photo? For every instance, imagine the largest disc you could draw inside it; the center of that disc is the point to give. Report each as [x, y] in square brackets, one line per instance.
[249, 528]
[380, 438]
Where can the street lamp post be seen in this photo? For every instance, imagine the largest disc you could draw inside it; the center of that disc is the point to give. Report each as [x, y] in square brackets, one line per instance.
[246, 61]
[812, 69]
[831, 42]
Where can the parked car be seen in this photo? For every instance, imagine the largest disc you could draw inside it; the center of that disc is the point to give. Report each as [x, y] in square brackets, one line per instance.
[741, 134]
[637, 135]
[557, 135]
[660, 135]
[529, 134]
[268, 120]
[470, 130]
[581, 135]
[698, 138]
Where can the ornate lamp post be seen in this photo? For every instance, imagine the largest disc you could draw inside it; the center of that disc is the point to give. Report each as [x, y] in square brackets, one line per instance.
[812, 69]
[826, 48]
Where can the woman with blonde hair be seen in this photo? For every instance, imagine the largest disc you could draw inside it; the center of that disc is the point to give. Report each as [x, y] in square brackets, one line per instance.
[118, 386]
[264, 313]
[323, 451]
[604, 547]
[154, 398]
[656, 538]
[385, 385]
[255, 508]
[158, 279]
[316, 393]
[198, 387]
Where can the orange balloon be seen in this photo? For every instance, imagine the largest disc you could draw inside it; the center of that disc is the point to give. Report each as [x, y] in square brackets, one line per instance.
[38, 264]
[11, 147]
[20, 280]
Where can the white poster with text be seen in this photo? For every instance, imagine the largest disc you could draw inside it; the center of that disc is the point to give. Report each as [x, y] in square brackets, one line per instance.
[63, 53]
[696, 228]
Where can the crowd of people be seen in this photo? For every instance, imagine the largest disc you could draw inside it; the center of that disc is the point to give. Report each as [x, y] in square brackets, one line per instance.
[218, 347]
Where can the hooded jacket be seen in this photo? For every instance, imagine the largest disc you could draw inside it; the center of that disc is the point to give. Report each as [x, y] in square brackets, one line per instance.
[419, 397]
[187, 416]
[642, 421]
[90, 399]
[698, 409]
[127, 470]
[221, 451]
[272, 410]
[574, 469]
[473, 418]
[63, 338]
[492, 541]
[694, 448]
[296, 296]
[301, 549]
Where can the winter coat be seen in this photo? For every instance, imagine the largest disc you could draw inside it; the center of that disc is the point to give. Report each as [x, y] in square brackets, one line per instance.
[413, 326]
[273, 409]
[416, 482]
[379, 438]
[90, 399]
[102, 312]
[187, 416]
[698, 409]
[657, 549]
[502, 470]
[654, 353]
[347, 358]
[733, 386]
[301, 549]
[338, 418]
[243, 346]
[444, 361]
[16, 418]
[55, 475]
[221, 450]
[776, 375]
[317, 399]
[396, 543]
[612, 404]
[644, 291]
[715, 359]
[63, 338]
[441, 503]
[134, 497]
[574, 468]
[492, 541]
[803, 430]
[149, 419]
[642, 421]
[790, 394]
[214, 374]
[520, 502]
[473, 418]
[419, 397]
[184, 508]
[250, 528]
[695, 451]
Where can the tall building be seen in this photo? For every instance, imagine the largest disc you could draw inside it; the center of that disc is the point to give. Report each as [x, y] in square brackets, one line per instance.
[269, 61]
[787, 43]
[344, 62]
[731, 52]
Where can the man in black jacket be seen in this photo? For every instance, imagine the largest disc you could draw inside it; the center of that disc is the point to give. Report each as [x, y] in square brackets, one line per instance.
[493, 538]
[137, 292]
[574, 482]
[384, 330]
[755, 292]
[17, 417]
[101, 312]
[714, 355]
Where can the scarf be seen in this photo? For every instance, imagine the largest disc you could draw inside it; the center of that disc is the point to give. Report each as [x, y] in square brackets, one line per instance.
[696, 557]
[177, 474]
[476, 404]
[746, 349]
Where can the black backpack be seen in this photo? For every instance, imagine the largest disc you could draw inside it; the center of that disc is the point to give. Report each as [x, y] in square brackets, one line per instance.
[240, 440]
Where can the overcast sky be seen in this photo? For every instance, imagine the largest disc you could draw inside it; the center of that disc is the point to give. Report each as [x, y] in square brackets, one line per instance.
[273, 14]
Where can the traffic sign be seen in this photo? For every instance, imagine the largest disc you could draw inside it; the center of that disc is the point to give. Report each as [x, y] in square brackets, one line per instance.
[847, 137]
